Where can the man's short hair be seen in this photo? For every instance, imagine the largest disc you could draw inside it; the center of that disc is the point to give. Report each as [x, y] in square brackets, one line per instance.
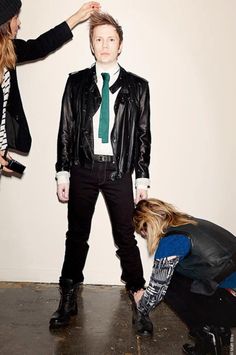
[101, 18]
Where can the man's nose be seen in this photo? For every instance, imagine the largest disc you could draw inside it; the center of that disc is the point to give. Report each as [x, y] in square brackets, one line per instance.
[105, 44]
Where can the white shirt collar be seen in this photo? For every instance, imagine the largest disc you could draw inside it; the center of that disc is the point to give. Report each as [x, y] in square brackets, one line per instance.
[113, 71]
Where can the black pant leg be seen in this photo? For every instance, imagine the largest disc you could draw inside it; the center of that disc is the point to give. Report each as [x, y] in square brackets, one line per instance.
[197, 310]
[82, 200]
[119, 199]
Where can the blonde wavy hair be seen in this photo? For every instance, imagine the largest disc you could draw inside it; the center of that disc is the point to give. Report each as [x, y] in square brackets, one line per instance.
[152, 218]
[7, 51]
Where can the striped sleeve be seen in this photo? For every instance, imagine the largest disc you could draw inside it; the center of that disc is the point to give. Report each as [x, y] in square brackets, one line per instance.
[162, 273]
[5, 90]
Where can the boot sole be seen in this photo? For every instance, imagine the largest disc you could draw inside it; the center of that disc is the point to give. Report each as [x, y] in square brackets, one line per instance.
[55, 324]
[145, 334]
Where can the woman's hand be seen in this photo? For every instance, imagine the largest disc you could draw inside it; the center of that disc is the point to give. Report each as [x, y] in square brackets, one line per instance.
[4, 163]
[83, 13]
[138, 295]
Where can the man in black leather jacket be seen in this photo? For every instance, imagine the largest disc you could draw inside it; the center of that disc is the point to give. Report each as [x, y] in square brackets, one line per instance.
[87, 164]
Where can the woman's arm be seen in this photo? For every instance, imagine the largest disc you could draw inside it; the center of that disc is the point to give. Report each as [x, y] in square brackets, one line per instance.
[162, 273]
[170, 251]
[53, 39]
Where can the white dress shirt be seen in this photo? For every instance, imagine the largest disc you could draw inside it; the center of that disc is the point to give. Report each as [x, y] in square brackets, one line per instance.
[99, 147]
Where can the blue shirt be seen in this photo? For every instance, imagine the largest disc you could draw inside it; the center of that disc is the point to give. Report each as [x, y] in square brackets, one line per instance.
[180, 245]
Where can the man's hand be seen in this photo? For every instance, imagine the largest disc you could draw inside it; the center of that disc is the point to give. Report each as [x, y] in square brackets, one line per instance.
[63, 192]
[141, 194]
[83, 13]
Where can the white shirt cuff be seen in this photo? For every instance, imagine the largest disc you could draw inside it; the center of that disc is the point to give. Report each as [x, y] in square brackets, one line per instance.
[63, 177]
[142, 183]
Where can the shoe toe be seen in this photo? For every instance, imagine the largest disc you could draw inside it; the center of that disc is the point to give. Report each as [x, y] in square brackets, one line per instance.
[145, 333]
[189, 349]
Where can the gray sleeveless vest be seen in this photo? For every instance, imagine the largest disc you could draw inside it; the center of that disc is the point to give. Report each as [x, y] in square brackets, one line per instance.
[212, 257]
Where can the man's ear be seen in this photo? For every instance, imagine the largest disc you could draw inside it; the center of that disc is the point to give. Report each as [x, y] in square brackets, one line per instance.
[91, 48]
[121, 47]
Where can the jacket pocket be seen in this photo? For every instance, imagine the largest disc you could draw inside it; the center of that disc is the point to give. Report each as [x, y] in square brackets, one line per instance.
[18, 134]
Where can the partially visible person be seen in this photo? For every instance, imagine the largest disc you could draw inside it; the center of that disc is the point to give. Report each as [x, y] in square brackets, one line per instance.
[14, 131]
[194, 272]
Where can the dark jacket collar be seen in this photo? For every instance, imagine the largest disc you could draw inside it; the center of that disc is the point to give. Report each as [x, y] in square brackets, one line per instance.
[117, 84]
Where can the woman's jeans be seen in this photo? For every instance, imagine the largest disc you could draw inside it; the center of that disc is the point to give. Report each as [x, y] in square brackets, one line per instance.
[198, 310]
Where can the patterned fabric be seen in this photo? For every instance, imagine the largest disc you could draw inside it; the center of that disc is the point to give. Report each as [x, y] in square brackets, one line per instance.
[162, 273]
[5, 89]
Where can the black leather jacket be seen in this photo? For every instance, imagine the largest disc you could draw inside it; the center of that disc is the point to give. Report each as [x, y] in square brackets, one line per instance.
[130, 136]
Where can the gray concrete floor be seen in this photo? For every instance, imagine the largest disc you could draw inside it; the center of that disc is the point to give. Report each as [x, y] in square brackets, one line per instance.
[102, 327]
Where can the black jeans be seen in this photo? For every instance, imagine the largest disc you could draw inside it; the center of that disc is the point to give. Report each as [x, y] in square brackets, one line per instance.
[198, 310]
[85, 185]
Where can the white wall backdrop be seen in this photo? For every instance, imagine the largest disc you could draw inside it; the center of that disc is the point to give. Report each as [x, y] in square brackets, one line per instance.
[187, 51]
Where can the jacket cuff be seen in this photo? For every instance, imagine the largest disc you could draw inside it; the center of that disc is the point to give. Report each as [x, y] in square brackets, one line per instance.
[65, 31]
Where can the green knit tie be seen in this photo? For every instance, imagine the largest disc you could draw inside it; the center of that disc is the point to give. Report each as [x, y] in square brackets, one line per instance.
[103, 129]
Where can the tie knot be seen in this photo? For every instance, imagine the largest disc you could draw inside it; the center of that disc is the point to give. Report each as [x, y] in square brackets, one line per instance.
[106, 77]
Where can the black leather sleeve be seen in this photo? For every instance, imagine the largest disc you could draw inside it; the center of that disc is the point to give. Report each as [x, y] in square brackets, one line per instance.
[65, 133]
[143, 135]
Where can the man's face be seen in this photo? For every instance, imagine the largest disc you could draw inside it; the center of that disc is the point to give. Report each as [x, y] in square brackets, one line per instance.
[106, 44]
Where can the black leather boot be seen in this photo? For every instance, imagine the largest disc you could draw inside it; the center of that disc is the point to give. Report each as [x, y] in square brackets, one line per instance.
[67, 305]
[208, 341]
[225, 335]
[143, 324]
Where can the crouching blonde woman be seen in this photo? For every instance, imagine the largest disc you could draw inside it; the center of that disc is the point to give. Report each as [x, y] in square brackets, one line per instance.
[194, 272]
